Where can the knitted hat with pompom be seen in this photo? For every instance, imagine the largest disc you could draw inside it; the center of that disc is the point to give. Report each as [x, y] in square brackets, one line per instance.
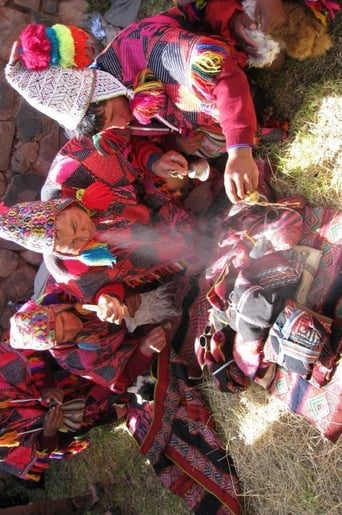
[48, 67]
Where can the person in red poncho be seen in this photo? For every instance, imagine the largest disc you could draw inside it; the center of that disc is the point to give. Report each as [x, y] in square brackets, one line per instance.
[99, 351]
[156, 70]
[101, 255]
[42, 409]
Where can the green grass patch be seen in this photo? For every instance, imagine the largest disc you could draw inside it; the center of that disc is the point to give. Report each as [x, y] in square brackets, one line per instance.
[99, 6]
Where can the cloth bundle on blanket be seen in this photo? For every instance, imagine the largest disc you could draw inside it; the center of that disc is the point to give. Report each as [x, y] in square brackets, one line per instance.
[255, 271]
[296, 339]
[304, 342]
[275, 305]
[319, 398]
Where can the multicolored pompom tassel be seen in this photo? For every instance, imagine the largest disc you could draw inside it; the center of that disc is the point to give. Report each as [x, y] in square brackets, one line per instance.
[60, 45]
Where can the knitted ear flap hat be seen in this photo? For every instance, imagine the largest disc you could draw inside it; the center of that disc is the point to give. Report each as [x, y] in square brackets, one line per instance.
[34, 326]
[63, 94]
[32, 224]
[47, 68]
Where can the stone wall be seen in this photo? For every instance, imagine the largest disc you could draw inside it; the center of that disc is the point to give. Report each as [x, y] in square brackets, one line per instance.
[29, 142]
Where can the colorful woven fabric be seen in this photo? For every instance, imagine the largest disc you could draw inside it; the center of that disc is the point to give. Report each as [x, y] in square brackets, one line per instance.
[189, 66]
[176, 434]
[145, 253]
[305, 345]
[324, 10]
[100, 351]
[296, 339]
[323, 231]
[319, 406]
[33, 326]
[31, 224]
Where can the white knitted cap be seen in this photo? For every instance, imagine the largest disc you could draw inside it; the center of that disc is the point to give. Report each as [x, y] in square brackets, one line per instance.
[63, 94]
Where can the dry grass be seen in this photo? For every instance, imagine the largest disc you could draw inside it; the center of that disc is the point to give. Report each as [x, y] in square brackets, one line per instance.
[114, 459]
[285, 466]
[311, 162]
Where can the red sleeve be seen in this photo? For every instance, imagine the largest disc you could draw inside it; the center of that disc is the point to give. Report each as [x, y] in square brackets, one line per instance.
[76, 268]
[233, 98]
[114, 289]
[137, 365]
[235, 105]
[218, 14]
[144, 149]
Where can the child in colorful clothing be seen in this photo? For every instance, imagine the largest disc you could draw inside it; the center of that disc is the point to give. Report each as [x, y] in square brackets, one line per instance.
[35, 426]
[82, 344]
[103, 255]
[156, 69]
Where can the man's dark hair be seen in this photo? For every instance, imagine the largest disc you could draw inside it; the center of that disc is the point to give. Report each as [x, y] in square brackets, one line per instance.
[93, 121]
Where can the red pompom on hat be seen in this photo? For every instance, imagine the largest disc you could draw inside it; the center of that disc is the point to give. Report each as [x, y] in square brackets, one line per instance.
[35, 47]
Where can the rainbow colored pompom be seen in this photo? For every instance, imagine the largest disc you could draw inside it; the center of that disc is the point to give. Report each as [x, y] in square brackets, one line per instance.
[60, 45]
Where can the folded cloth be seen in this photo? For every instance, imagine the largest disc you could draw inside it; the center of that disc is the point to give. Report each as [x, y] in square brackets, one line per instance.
[252, 309]
[310, 259]
[296, 339]
[275, 271]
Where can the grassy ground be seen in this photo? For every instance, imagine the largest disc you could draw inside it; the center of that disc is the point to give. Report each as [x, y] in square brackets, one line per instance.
[309, 93]
[284, 465]
[150, 7]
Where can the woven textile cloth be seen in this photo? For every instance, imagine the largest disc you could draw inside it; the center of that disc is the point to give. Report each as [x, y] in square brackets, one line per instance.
[189, 66]
[321, 406]
[176, 433]
[63, 94]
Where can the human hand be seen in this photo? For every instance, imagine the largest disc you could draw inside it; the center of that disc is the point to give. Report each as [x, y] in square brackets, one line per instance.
[133, 303]
[241, 24]
[241, 174]
[14, 56]
[269, 14]
[170, 164]
[52, 395]
[110, 309]
[189, 145]
[155, 341]
[53, 421]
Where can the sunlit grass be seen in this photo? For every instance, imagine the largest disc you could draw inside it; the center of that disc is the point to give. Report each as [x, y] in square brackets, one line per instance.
[285, 466]
[311, 163]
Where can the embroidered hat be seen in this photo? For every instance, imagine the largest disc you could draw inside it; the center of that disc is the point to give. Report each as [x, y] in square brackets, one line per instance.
[32, 224]
[33, 326]
[63, 94]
